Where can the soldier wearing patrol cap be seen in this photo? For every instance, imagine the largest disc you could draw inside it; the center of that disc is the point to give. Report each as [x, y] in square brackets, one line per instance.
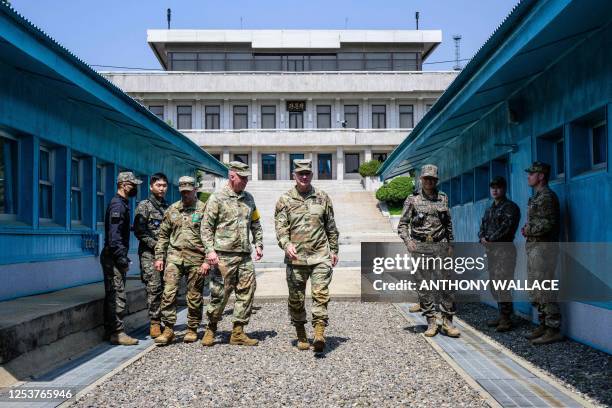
[180, 252]
[426, 228]
[230, 217]
[114, 258]
[542, 235]
[306, 231]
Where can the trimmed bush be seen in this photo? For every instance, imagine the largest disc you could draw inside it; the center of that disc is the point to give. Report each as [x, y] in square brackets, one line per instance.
[369, 168]
[396, 191]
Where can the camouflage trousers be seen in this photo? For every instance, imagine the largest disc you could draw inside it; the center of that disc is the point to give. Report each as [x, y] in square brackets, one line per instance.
[445, 299]
[320, 277]
[541, 265]
[501, 260]
[236, 274]
[115, 300]
[195, 284]
[154, 284]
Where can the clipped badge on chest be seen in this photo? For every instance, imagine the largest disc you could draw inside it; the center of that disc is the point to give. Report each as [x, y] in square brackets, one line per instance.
[196, 218]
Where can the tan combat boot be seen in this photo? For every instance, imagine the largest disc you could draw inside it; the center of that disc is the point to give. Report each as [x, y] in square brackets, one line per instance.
[319, 337]
[432, 327]
[550, 336]
[166, 337]
[504, 324]
[155, 329]
[302, 339]
[122, 339]
[209, 335]
[190, 336]
[415, 308]
[448, 328]
[239, 337]
[539, 331]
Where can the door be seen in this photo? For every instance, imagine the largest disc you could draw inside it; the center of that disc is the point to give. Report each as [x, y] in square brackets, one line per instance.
[324, 166]
[292, 157]
[268, 166]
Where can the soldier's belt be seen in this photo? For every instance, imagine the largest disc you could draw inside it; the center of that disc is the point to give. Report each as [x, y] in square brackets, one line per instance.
[426, 238]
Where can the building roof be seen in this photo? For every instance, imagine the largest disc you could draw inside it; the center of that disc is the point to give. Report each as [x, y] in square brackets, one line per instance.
[292, 39]
[533, 37]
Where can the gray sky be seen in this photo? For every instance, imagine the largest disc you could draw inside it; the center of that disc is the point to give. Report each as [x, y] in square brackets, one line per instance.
[113, 32]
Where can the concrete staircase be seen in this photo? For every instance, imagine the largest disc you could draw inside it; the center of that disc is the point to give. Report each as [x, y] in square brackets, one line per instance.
[356, 213]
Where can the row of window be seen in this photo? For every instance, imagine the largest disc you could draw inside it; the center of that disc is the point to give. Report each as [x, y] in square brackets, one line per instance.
[240, 115]
[245, 61]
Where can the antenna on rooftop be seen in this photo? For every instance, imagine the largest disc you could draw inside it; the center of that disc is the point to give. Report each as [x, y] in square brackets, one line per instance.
[416, 16]
[457, 39]
[169, 17]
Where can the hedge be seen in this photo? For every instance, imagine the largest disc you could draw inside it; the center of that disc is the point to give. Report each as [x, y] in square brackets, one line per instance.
[396, 191]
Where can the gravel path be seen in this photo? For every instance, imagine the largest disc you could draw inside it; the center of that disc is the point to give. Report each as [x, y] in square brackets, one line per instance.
[581, 368]
[372, 359]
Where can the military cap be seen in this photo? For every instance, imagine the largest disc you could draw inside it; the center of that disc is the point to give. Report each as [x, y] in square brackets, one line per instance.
[127, 177]
[187, 183]
[301, 165]
[538, 167]
[429, 170]
[498, 181]
[240, 168]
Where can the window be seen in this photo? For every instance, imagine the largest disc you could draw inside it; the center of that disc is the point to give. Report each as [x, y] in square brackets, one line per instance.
[183, 61]
[212, 117]
[157, 110]
[268, 63]
[405, 61]
[183, 117]
[45, 184]
[239, 61]
[379, 116]
[210, 61]
[378, 61]
[241, 117]
[481, 182]
[589, 144]
[296, 120]
[100, 192]
[598, 144]
[242, 157]
[406, 114]
[455, 191]
[551, 150]
[76, 195]
[323, 116]
[381, 157]
[8, 176]
[268, 117]
[296, 63]
[351, 163]
[217, 156]
[350, 61]
[351, 116]
[323, 63]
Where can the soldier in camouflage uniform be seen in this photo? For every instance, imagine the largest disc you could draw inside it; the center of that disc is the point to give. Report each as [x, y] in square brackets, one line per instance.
[230, 216]
[147, 220]
[306, 231]
[542, 235]
[497, 230]
[180, 252]
[426, 228]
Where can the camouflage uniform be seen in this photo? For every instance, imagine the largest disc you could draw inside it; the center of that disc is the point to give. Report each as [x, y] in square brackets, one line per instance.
[229, 217]
[180, 247]
[542, 235]
[426, 220]
[499, 224]
[307, 221]
[147, 220]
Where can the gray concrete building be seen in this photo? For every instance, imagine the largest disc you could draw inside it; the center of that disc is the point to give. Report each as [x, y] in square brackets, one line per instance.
[266, 97]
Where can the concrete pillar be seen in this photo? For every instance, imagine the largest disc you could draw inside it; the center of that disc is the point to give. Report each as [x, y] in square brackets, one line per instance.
[226, 155]
[199, 115]
[339, 163]
[254, 115]
[367, 154]
[367, 118]
[226, 115]
[171, 113]
[338, 116]
[254, 164]
[392, 114]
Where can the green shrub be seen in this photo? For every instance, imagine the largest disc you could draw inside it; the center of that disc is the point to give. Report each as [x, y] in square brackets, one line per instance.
[369, 168]
[395, 192]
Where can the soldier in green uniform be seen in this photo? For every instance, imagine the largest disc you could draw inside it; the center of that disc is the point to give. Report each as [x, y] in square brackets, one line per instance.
[542, 235]
[306, 231]
[497, 230]
[180, 252]
[230, 216]
[147, 220]
[426, 228]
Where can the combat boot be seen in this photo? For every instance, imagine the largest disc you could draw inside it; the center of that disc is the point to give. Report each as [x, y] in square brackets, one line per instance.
[166, 337]
[504, 324]
[239, 337]
[539, 331]
[302, 339]
[209, 335]
[448, 328]
[122, 339]
[494, 322]
[432, 327]
[550, 336]
[190, 336]
[319, 337]
[415, 308]
[155, 329]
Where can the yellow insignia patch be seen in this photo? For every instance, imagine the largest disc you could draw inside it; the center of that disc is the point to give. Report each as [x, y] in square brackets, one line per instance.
[255, 215]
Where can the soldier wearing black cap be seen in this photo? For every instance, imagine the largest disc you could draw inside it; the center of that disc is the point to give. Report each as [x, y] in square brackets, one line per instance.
[499, 224]
[542, 234]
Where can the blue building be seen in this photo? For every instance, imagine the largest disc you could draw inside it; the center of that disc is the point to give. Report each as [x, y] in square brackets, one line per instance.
[539, 89]
[65, 133]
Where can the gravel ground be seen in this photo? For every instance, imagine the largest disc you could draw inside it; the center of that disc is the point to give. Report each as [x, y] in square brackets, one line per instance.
[373, 358]
[581, 368]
